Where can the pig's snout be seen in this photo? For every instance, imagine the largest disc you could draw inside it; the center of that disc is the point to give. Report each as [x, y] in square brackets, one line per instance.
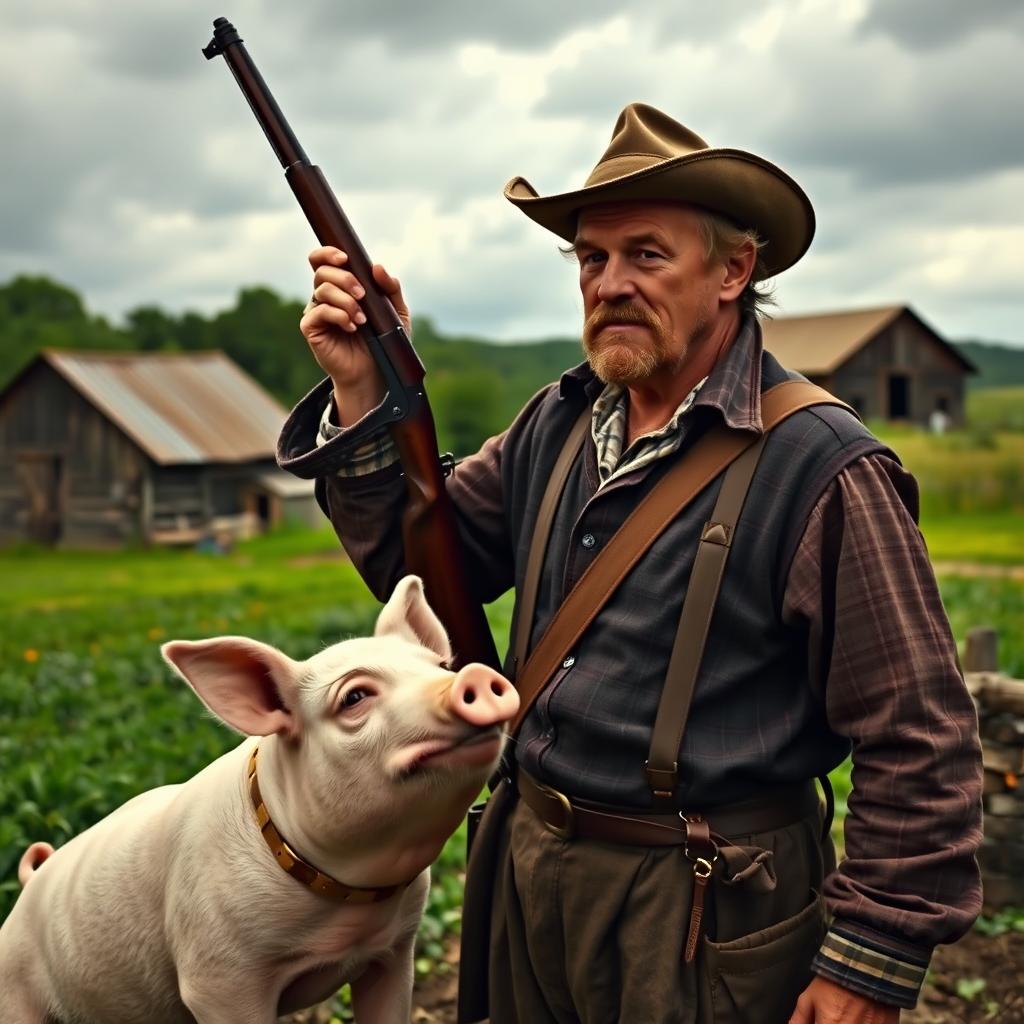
[483, 697]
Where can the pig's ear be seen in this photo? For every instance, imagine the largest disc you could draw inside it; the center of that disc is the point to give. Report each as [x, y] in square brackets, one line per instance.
[246, 684]
[409, 616]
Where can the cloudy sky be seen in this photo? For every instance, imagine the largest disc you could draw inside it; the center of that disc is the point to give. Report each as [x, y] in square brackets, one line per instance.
[133, 171]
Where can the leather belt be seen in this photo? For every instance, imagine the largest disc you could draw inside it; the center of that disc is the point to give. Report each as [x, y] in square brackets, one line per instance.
[571, 818]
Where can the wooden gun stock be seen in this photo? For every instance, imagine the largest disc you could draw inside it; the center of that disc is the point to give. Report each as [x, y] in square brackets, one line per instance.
[432, 546]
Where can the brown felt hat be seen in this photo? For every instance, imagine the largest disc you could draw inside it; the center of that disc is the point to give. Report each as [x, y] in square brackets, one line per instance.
[651, 156]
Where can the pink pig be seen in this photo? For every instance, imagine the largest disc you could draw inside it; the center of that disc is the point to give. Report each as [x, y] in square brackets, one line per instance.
[176, 908]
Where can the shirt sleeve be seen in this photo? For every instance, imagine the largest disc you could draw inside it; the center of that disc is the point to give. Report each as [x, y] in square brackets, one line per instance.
[377, 452]
[882, 654]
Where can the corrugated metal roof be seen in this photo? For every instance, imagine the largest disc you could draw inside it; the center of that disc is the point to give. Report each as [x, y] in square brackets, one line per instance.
[819, 343]
[284, 485]
[187, 407]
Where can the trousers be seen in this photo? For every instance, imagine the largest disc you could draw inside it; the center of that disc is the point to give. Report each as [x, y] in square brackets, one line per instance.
[586, 932]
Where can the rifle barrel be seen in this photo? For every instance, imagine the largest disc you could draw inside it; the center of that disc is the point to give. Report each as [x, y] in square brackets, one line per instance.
[429, 531]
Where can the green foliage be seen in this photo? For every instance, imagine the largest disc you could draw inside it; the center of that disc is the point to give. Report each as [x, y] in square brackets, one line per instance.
[986, 538]
[970, 988]
[475, 387]
[37, 313]
[261, 333]
[93, 715]
[973, 472]
[1009, 919]
[994, 410]
[999, 366]
[988, 601]
[96, 716]
[466, 410]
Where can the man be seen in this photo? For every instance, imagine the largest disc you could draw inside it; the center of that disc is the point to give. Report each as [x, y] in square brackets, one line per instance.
[828, 633]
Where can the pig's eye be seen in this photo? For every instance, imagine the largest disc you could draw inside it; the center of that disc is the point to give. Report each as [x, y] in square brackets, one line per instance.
[353, 697]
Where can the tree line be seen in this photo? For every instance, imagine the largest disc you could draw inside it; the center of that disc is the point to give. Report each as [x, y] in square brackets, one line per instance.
[475, 387]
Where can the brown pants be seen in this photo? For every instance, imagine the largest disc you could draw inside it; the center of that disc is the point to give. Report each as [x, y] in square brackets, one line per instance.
[584, 932]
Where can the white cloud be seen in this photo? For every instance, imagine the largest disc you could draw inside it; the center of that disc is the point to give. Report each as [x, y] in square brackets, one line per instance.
[134, 171]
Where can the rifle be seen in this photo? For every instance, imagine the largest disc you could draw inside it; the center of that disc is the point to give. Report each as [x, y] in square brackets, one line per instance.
[429, 533]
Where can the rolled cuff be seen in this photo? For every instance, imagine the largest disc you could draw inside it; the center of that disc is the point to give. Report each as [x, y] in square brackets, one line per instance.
[872, 963]
[304, 451]
[377, 453]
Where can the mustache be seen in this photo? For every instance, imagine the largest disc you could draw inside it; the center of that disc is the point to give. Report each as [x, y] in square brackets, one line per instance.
[626, 313]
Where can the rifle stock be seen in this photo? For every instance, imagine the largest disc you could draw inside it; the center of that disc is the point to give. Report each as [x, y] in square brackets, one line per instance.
[430, 537]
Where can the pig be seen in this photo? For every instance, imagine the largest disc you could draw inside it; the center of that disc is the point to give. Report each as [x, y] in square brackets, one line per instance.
[174, 908]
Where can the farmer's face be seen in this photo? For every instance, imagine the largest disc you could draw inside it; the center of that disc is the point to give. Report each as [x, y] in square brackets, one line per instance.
[649, 292]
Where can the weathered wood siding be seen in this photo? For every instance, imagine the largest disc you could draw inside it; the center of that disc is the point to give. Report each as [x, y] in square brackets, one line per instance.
[933, 375]
[184, 499]
[98, 473]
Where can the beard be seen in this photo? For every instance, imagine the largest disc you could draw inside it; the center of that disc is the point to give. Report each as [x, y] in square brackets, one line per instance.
[623, 357]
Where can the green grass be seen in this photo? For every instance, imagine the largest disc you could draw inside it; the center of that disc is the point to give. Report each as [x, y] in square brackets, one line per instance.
[996, 409]
[92, 715]
[963, 472]
[990, 538]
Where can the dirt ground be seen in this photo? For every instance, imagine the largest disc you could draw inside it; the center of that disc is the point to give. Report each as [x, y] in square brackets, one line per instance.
[999, 961]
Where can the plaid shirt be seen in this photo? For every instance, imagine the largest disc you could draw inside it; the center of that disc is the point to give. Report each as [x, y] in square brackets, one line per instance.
[878, 649]
[609, 432]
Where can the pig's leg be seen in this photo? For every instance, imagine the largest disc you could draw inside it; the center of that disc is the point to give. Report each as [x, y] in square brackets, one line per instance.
[383, 992]
[19, 1008]
[228, 1000]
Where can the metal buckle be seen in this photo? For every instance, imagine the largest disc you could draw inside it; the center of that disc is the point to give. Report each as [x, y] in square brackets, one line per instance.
[705, 859]
[703, 868]
[561, 831]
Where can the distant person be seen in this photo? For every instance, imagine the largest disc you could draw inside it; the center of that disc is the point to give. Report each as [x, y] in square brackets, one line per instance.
[828, 636]
[938, 421]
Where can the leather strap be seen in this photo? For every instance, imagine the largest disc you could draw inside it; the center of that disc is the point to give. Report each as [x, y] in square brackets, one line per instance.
[301, 870]
[542, 535]
[681, 484]
[570, 818]
[702, 591]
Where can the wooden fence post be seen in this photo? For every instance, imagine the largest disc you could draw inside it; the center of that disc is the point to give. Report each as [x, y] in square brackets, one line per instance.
[981, 650]
[1000, 703]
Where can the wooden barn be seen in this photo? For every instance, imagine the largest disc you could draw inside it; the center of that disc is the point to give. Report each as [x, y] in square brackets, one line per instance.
[886, 363]
[99, 448]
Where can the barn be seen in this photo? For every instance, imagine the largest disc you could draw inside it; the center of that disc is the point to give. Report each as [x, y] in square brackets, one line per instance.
[164, 448]
[886, 363]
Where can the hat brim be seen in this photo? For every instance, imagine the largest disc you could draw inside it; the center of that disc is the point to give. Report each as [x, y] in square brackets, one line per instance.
[740, 186]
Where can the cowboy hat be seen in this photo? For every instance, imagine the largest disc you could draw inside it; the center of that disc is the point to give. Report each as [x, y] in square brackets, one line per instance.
[651, 157]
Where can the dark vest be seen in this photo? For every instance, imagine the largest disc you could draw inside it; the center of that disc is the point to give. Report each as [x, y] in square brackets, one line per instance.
[756, 718]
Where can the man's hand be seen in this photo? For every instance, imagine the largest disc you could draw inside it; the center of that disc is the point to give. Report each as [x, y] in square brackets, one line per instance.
[330, 322]
[825, 1002]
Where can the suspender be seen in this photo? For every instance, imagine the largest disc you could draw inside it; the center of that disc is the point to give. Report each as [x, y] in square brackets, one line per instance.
[542, 534]
[720, 449]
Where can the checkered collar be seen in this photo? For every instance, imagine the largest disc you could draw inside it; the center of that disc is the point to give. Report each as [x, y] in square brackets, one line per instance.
[733, 387]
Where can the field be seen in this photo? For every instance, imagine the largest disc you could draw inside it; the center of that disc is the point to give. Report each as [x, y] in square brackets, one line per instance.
[91, 715]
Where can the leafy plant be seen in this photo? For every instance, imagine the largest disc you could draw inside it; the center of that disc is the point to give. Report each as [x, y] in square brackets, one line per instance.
[1009, 919]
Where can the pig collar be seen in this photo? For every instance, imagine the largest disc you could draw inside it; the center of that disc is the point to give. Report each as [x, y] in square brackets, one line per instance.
[301, 870]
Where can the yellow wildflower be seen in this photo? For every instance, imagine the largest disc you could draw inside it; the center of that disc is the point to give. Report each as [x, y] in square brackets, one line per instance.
[31, 655]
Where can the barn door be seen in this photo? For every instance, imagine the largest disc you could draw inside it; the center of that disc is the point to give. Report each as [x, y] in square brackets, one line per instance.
[40, 477]
[899, 396]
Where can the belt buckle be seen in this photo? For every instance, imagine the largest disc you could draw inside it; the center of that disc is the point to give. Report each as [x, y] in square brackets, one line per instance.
[567, 830]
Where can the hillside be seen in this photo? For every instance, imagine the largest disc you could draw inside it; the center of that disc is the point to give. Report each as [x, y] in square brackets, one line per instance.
[476, 386]
[999, 366]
